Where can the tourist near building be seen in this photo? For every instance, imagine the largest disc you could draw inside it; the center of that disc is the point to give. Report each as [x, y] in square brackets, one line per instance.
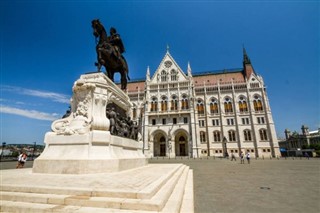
[213, 113]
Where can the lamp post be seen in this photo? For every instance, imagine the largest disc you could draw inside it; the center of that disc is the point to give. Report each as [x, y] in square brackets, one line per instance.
[34, 147]
[224, 143]
[3, 145]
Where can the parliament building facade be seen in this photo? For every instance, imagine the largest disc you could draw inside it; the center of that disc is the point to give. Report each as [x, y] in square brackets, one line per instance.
[203, 114]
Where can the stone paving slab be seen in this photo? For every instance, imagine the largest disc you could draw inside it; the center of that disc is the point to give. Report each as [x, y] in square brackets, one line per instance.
[263, 186]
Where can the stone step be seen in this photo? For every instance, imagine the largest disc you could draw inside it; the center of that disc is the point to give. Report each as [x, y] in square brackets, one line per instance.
[173, 205]
[25, 207]
[188, 197]
[169, 194]
[145, 192]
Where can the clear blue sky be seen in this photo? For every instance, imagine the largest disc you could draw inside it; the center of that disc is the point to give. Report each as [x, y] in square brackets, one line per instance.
[47, 45]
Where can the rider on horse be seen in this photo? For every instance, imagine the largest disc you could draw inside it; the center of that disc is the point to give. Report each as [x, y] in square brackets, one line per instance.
[109, 51]
[116, 42]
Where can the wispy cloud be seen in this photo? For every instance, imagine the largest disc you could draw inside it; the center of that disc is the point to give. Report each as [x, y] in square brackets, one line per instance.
[29, 113]
[56, 97]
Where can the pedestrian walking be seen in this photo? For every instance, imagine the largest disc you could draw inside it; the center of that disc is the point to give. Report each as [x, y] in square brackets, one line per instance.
[233, 157]
[241, 158]
[248, 157]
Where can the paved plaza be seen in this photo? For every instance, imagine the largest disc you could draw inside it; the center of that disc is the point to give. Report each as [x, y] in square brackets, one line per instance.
[284, 185]
[221, 185]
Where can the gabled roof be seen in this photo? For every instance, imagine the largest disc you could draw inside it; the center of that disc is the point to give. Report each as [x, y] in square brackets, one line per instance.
[163, 66]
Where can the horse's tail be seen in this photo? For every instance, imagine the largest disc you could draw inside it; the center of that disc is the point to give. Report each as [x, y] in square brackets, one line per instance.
[128, 74]
[126, 67]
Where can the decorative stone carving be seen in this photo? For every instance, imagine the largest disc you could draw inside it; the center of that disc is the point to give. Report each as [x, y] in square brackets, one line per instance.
[81, 142]
[91, 94]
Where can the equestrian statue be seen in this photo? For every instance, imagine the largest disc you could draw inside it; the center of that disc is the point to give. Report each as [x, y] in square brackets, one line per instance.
[109, 53]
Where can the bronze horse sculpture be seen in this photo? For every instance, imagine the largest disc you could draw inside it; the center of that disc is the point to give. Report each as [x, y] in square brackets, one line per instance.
[109, 55]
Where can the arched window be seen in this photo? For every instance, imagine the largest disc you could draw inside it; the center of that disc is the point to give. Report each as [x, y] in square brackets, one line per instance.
[163, 76]
[228, 105]
[263, 134]
[216, 136]
[202, 137]
[247, 135]
[257, 103]
[214, 106]
[154, 104]
[232, 135]
[174, 103]
[200, 107]
[182, 139]
[164, 103]
[243, 106]
[162, 139]
[184, 102]
[174, 75]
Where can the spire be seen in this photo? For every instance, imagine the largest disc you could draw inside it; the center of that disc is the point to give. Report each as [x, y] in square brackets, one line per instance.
[247, 66]
[168, 48]
[189, 70]
[148, 74]
[246, 59]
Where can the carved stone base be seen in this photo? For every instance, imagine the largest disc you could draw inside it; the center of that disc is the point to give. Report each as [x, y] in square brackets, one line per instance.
[81, 143]
[94, 152]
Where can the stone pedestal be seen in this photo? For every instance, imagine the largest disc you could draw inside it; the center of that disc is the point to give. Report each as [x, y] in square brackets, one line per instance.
[81, 143]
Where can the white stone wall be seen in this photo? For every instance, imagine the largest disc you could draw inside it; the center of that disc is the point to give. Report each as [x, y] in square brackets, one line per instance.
[155, 87]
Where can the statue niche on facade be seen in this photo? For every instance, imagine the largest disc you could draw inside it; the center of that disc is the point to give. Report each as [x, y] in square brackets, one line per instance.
[109, 53]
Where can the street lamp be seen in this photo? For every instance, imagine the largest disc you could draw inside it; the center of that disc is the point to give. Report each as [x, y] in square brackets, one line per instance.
[224, 144]
[3, 145]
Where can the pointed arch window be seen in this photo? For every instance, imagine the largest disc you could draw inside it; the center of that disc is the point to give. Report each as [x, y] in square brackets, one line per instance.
[232, 135]
[174, 103]
[162, 139]
[214, 106]
[164, 104]
[182, 139]
[154, 104]
[263, 134]
[243, 106]
[202, 137]
[228, 105]
[174, 75]
[216, 136]
[257, 103]
[184, 102]
[200, 107]
[247, 135]
[163, 76]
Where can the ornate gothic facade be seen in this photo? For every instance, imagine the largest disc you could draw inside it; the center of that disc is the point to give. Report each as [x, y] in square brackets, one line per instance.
[203, 114]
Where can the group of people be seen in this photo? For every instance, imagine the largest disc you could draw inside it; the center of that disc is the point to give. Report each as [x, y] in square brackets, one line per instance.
[122, 126]
[242, 157]
[22, 159]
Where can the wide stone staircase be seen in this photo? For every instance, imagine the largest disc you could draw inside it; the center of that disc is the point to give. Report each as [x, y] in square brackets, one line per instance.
[152, 188]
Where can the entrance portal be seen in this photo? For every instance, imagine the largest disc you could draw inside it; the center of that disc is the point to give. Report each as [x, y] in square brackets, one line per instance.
[159, 146]
[181, 146]
[182, 149]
